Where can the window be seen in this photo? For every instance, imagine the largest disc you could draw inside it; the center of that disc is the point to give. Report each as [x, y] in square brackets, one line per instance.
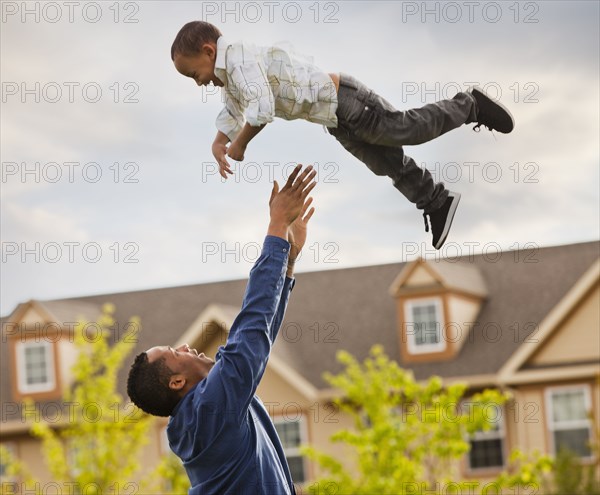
[424, 323]
[10, 451]
[568, 420]
[291, 435]
[35, 366]
[487, 447]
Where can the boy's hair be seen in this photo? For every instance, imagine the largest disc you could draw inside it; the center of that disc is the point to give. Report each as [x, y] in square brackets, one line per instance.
[192, 36]
[148, 386]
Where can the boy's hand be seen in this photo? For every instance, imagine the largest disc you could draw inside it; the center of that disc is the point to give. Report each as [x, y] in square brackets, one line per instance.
[219, 151]
[236, 151]
[287, 204]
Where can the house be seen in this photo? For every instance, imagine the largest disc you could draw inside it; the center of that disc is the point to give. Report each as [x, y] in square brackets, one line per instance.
[526, 321]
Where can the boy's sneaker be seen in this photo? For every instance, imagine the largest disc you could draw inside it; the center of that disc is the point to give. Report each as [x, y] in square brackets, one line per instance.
[491, 114]
[441, 220]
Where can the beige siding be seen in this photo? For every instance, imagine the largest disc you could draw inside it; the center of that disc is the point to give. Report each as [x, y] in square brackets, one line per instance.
[528, 415]
[528, 420]
[321, 419]
[67, 355]
[27, 450]
[420, 276]
[462, 313]
[209, 342]
[273, 389]
[31, 317]
[577, 339]
[322, 425]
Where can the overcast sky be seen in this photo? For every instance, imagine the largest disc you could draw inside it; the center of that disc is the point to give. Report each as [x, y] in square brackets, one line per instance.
[108, 181]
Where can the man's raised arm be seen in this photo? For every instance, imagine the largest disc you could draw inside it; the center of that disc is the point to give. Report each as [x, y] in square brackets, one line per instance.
[297, 239]
[243, 360]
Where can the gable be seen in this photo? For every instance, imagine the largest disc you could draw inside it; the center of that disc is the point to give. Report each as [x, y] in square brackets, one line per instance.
[419, 277]
[278, 391]
[33, 315]
[576, 339]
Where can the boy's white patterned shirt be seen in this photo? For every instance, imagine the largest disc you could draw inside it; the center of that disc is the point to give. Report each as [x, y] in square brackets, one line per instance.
[261, 83]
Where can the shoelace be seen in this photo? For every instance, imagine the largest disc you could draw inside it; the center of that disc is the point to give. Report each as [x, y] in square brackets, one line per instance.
[477, 128]
[426, 223]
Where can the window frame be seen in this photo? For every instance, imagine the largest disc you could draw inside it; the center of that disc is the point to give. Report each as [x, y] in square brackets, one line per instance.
[22, 384]
[500, 434]
[295, 451]
[12, 450]
[587, 423]
[413, 347]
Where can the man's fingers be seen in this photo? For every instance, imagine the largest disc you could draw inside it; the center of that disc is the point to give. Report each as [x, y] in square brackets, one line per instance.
[293, 176]
[305, 176]
[305, 206]
[274, 191]
[306, 182]
[308, 189]
[309, 214]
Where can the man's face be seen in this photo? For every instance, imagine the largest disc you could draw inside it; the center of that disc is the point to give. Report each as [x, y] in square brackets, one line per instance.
[187, 365]
[199, 66]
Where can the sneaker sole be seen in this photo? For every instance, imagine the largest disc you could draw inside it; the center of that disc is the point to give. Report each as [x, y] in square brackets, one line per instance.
[512, 119]
[449, 219]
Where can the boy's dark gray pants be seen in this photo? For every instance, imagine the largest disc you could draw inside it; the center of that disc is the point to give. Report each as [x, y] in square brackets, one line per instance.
[372, 130]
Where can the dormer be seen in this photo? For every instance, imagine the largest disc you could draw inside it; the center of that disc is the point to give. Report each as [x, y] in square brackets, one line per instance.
[210, 329]
[437, 303]
[40, 337]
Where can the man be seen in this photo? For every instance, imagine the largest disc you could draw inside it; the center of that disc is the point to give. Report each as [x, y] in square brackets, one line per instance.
[218, 427]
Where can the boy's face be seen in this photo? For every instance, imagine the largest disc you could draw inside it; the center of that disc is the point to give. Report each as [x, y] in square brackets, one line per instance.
[199, 66]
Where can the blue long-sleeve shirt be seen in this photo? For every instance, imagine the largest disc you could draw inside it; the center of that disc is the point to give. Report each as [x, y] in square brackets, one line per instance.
[220, 429]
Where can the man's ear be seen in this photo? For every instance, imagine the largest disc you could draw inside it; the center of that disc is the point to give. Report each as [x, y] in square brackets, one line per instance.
[177, 382]
[210, 50]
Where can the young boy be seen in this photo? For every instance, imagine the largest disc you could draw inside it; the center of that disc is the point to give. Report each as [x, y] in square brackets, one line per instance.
[262, 83]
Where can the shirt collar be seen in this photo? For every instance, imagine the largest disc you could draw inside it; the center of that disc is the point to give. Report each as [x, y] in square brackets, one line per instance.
[220, 68]
[222, 46]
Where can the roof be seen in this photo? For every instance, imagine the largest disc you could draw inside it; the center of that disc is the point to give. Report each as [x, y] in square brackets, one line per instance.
[451, 274]
[352, 309]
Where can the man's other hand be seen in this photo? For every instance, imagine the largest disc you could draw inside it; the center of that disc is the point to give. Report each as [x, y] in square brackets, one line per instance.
[286, 205]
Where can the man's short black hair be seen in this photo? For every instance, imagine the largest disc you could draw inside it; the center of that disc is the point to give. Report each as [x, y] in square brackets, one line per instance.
[148, 386]
[192, 36]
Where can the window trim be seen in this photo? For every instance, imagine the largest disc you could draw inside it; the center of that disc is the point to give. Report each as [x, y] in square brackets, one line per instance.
[490, 435]
[295, 451]
[579, 423]
[413, 348]
[11, 446]
[22, 385]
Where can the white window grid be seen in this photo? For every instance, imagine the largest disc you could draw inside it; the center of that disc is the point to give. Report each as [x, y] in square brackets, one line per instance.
[294, 451]
[24, 387]
[553, 425]
[413, 347]
[498, 432]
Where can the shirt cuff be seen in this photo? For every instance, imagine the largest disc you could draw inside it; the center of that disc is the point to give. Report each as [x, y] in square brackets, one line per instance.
[260, 119]
[277, 246]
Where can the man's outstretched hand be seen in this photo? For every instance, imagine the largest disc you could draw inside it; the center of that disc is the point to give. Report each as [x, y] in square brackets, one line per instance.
[298, 230]
[291, 203]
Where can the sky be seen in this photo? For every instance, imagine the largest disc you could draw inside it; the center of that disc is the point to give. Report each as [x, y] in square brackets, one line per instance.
[108, 181]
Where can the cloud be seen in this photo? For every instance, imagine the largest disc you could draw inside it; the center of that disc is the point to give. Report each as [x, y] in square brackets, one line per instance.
[177, 203]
